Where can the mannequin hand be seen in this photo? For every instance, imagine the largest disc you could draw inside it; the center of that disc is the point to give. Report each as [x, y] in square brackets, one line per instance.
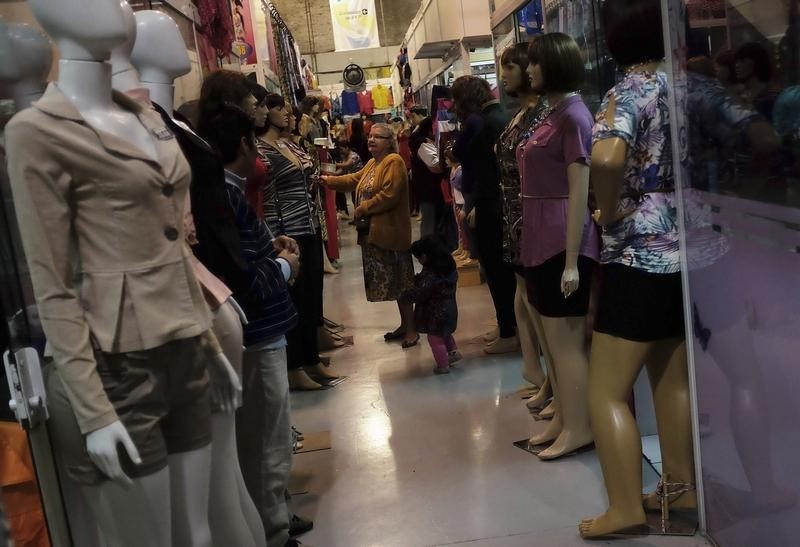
[570, 280]
[226, 388]
[294, 262]
[101, 445]
[471, 219]
[239, 310]
[286, 243]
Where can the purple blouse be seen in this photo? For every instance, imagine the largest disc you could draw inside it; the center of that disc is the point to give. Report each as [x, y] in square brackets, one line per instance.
[565, 138]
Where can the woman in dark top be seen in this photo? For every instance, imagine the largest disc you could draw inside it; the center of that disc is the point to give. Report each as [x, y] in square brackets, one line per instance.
[484, 120]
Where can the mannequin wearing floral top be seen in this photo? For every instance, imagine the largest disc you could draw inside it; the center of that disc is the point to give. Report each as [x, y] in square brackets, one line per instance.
[640, 313]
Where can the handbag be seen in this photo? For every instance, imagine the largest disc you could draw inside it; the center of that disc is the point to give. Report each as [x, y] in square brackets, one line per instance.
[362, 225]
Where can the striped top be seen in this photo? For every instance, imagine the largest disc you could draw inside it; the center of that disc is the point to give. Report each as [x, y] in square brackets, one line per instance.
[289, 204]
[267, 303]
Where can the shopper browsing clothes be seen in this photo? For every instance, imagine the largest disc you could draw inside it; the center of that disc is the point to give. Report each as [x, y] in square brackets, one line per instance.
[384, 224]
[434, 296]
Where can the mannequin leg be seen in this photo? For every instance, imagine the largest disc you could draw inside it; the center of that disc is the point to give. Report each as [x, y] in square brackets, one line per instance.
[615, 365]
[230, 504]
[531, 369]
[134, 516]
[189, 479]
[565, 337]
[553, 429]
[669, 378]
[225, 513]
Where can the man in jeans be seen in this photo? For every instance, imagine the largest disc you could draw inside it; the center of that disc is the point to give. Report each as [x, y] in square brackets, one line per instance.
[265, 459]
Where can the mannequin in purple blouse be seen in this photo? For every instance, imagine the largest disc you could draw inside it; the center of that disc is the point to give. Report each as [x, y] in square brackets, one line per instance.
[560, 243]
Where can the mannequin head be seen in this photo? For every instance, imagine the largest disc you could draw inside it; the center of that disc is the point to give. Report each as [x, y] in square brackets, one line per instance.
[84, 30]
[159, 52]
[9, 70]
[555, 64]
[32, 60]
[124, 75]
[634, 33]
[514, 63]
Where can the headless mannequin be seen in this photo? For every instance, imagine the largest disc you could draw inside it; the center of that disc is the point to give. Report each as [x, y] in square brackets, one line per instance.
[563, 338]
[85, 79]
[159, 55]
[26, 74]
[615, 365]
[34, 58]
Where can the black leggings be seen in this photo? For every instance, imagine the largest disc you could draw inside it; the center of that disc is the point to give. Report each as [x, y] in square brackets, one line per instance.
[499, 274]
[303, 348]
[341, 201]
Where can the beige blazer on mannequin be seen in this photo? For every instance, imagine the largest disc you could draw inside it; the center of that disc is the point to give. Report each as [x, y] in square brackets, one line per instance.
[89, 203]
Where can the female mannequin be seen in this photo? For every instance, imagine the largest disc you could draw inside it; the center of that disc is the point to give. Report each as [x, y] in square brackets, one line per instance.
[159, 56]
[135, 318]
[559, 239]
[640, 313]
[513, 63]
[34, 57]
[290, 209]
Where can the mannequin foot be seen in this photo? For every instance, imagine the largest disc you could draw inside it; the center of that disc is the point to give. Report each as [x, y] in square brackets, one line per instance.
[548, 412]
[299, 380]
[567, 444]
[550, 434]
[614, 522]
[502, 345]
[329, 269]
[322, 371]
[539, 401]
[328, 340]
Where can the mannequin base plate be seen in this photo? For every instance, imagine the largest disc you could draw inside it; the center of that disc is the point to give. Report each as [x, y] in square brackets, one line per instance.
[682, 523]
[314, 442]
[534, 449]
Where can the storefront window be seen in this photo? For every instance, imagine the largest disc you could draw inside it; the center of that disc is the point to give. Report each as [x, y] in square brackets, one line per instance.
[737, 89]
[530, 20]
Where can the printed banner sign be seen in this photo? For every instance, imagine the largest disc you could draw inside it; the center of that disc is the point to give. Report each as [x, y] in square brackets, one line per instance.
[244, 39]
[355, 24]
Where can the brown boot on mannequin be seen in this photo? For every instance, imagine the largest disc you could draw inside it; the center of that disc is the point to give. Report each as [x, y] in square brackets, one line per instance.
[615, 365]
[299, 380]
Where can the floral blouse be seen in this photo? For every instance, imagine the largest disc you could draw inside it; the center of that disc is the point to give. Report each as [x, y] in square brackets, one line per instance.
[647, 239]
[506, 151]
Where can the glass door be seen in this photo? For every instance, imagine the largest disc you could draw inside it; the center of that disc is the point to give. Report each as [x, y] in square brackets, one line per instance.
[736, 76]
[30, 484]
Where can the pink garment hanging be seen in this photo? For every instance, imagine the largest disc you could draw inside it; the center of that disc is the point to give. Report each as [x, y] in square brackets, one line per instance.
[216, 24]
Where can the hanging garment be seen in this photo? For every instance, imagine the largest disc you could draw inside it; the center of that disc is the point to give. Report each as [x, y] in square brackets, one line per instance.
[380, 97]
[365, 103]
[216, 24]
[350, 106]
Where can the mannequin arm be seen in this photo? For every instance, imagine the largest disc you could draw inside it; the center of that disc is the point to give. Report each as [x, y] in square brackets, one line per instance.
[608, 172]
[101, 445]
[578, 176]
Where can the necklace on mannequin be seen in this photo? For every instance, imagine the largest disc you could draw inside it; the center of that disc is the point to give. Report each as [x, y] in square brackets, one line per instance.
[645, 67]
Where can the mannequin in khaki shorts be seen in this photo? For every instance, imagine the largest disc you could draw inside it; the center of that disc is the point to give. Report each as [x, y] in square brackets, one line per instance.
[79, 113]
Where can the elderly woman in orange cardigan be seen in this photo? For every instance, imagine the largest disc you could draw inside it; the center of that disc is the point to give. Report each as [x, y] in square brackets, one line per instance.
[384, 222]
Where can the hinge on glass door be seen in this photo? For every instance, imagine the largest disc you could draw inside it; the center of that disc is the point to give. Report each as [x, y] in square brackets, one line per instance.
[25, 382]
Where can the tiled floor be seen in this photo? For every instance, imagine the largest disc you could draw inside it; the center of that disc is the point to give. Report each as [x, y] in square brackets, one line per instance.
[424, 460]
